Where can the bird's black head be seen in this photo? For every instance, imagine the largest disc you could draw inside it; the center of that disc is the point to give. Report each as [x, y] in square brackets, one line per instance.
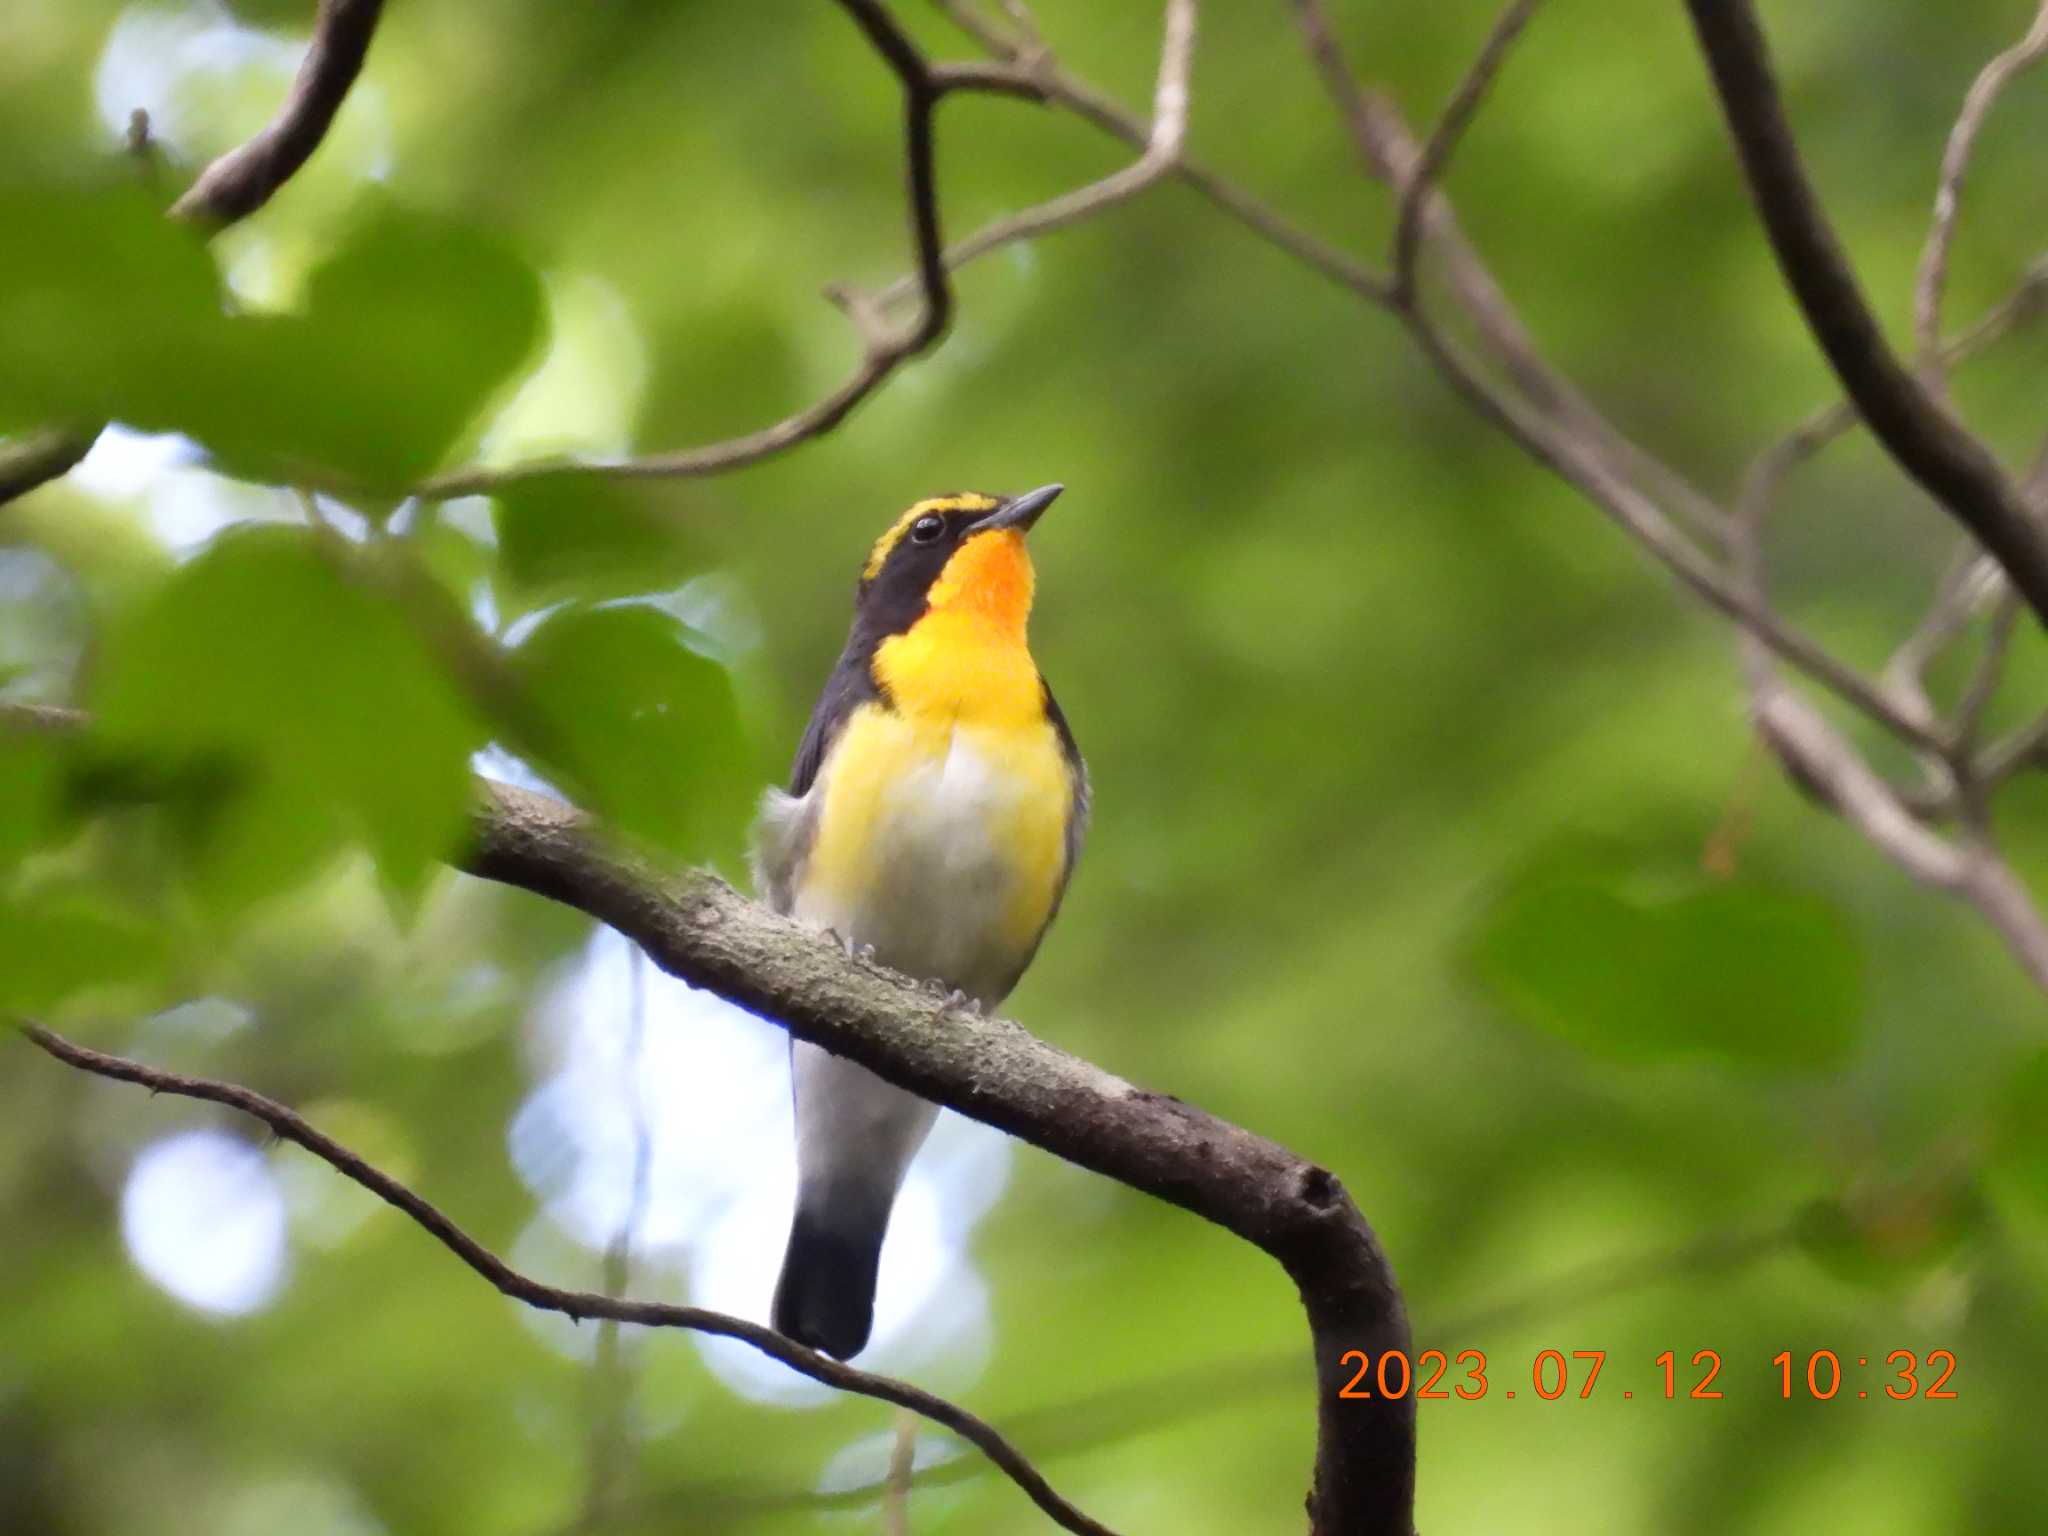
[963, 548]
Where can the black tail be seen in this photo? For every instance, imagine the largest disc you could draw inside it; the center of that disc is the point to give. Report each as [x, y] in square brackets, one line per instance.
[826, 1296]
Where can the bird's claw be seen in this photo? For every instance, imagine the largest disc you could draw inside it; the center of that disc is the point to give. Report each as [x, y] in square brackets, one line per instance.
[853, 951]
[955, 998]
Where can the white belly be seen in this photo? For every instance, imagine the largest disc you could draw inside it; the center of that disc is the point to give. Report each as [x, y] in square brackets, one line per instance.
[938, 894]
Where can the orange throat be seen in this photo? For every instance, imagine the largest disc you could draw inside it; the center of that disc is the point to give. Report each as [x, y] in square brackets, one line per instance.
[967, 658]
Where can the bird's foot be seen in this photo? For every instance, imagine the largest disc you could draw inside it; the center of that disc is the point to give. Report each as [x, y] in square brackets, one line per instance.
[853, 951]
[955, 998]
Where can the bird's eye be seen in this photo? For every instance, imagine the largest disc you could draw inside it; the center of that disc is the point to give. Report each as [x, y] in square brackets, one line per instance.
[926, 530]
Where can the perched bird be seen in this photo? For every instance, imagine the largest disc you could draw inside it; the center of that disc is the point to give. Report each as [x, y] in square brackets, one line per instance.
[934, 816]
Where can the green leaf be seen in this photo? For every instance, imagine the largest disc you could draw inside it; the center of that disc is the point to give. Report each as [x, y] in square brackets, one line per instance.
[31, 787]
[107, 308]
[1751, 975]
[639, 724]
[54, 950]
[408, 329]
[314, 697]
[580, 536]
[113, 311]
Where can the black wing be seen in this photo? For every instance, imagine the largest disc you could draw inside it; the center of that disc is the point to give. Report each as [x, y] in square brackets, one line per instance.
[850, 686]
[1077, 814]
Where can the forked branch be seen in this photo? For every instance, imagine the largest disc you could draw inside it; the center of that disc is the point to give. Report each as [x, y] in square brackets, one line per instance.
[1930, 444]
[1932, 281]
[884, 348]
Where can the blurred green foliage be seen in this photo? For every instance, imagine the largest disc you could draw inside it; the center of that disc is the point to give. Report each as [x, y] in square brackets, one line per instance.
[1405, 763]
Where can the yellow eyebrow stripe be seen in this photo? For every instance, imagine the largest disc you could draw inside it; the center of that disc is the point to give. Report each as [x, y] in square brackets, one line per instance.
[879, 555]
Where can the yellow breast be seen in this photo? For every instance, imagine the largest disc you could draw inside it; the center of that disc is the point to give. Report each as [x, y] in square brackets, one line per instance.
[941, 842]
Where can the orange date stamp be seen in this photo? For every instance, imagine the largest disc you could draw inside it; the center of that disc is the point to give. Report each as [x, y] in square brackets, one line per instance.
[1435, 1376]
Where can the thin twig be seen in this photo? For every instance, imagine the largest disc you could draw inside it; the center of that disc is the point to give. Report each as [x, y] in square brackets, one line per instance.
[1547, 418]
[1966, 583]
[1954, 467]
[2024, 748]
[1973, 782]
[1932, 280]
[896, 1485]
[1985, 677]
[1162, 154]
[1579, 464]
[287, 1125]
[1390, 152]
[1820, 759]
[1971, 580]
[1443, 139]
[1062, 89]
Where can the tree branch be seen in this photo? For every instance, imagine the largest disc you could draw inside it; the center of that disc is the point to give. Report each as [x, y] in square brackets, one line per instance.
[1932, 280]
[1554, 423]
[232, 187]
[1161, 156]
[700, 930]
[696, 927]
[1084, 101]
[1957, 470]
[1821, 760]
[248, 176]
[1391, 153]
[1443, 139]
[40, 458]
[576, 1305]
[883, 349]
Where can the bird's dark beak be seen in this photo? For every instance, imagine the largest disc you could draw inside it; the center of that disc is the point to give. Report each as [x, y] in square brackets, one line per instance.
[1020, 512]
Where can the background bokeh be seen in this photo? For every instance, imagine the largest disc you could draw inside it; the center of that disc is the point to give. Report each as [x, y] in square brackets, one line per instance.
[1407, 770]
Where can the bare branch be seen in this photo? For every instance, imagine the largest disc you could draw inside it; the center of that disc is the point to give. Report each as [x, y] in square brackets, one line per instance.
[1931, 445]
[1971, 581]
[1821, 760]
[40, 719]
[40, 458]
[1092, 106]
[1988, 673]
[896, 1484]
[1162, 154]
[2024, 748]
[883, 350]
[1557, 426]
[1443, 139]
[1932, 280]
[1990, 885]
[1579, 464]
[1391, 153]
[248, 176]
[287, 1125]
